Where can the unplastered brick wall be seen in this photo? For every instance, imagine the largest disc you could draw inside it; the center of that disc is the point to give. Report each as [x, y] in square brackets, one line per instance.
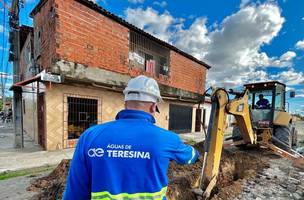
[187, 74]
[87, 37]
[44, 35]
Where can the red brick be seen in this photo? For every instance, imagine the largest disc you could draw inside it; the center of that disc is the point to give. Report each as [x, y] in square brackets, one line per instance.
[77, 26]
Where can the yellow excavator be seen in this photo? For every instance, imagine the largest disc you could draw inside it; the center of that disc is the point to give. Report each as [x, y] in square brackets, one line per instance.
[260, 119]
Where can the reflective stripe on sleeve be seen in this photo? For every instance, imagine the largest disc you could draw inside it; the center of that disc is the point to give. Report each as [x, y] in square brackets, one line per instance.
[105, 195]
[193, 154]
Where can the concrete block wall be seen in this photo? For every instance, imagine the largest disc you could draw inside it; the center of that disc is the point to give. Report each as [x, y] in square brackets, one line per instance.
[84, 36]
[111, 103]
[26, 65]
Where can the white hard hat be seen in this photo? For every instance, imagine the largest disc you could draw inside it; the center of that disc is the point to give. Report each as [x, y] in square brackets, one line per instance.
[142, 88]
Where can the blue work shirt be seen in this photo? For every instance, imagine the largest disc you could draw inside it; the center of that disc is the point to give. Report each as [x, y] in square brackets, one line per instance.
[125, 159]
[263, 104]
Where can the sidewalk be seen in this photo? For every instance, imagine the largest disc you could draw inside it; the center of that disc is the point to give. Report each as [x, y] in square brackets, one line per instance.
[30, 156]
[200, 136]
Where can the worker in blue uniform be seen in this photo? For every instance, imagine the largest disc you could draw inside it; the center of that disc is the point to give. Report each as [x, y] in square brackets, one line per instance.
[127, 159]
[262, 103]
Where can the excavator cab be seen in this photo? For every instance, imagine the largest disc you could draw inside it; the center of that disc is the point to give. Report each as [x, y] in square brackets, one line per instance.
[267, 102]
[266, 99]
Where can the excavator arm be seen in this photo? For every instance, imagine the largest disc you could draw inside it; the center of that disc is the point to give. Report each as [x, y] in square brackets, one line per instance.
[221, 106]
[239, 108]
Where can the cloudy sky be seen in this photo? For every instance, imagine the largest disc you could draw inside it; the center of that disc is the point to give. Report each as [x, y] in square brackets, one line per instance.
[243, 40]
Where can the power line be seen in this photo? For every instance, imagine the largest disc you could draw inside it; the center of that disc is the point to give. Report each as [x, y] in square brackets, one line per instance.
[3, 38]
[5, 52]
[5, 5]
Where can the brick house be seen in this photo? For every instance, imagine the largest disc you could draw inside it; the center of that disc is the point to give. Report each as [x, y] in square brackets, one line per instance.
[95, 53]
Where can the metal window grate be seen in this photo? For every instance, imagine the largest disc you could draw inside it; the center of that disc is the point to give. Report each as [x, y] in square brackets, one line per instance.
[148, 55]
[82, 113]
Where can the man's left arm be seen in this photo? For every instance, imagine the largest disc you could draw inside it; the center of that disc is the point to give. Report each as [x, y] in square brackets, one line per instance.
[78, 181]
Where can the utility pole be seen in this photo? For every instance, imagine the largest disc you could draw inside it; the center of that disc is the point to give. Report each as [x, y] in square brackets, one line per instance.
[2, 85]
[15, 57]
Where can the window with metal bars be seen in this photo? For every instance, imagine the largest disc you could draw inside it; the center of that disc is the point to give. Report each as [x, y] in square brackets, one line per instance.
[82, 114]
[148, 55]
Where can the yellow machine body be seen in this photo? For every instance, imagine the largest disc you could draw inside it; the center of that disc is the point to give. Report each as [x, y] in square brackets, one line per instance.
[281, 118]
[240, 109]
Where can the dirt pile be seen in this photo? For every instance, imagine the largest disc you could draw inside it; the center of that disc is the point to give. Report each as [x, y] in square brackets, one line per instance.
[52, 186]
[236, 166]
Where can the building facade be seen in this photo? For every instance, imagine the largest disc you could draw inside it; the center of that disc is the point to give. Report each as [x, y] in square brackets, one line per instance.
[95, 53]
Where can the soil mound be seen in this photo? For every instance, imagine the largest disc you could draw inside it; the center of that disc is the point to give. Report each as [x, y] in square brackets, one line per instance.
[52, 186]
[236, 166]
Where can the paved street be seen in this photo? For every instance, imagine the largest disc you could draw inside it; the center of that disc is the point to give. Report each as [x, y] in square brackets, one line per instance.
[15, 188]
[31, 156]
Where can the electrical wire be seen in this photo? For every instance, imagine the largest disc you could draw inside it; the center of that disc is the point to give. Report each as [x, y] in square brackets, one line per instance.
[5, 52]
[3, 38]
[7, 62]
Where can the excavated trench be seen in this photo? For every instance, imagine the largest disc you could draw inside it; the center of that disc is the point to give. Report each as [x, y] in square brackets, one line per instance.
[235, 168]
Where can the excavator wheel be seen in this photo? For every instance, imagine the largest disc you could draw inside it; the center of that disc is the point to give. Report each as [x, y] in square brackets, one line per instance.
[236, 135]
[286, 134]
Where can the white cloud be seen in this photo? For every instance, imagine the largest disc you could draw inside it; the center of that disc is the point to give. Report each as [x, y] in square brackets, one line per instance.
[244, 3]
[160, 3]
[300, 95]
[235, 47]
[232, 47]
[300, 44]
[285, 60]
[288, 56]
[290, 89]
[290, 77]
[136, 1]
[151, 21]
[194, 40]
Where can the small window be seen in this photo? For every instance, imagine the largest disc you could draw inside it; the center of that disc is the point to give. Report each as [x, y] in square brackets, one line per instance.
[148, 55]
[37, 42]
[82, 114]
[279, 98]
